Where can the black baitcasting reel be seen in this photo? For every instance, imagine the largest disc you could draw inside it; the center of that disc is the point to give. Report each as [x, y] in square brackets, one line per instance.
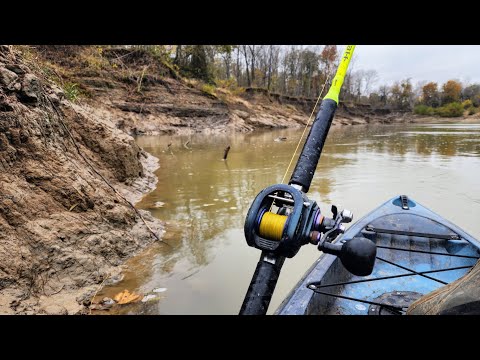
[286, 231]
[299, 221]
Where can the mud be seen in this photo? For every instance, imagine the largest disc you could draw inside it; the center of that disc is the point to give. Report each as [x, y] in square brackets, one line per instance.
[63, 230]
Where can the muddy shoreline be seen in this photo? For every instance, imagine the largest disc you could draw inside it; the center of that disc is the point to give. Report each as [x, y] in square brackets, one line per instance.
[65, 232]
[65, 227]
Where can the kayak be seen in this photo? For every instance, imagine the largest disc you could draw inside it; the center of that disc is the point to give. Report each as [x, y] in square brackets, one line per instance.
[418, 252]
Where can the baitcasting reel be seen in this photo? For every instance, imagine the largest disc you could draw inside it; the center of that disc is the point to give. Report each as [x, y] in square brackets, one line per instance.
[298, 221]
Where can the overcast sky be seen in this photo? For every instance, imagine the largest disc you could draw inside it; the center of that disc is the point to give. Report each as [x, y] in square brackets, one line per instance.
[420, 62]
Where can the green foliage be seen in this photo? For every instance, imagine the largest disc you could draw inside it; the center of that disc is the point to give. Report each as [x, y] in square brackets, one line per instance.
[209, 89]
[194, 61]
[473, 110]
[467, 104]
[453, 109]
[71, 90]
[423, 110]
[231, 85]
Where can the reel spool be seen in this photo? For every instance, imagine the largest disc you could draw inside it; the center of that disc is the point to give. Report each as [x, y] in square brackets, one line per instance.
[271, 225]
[285, 232]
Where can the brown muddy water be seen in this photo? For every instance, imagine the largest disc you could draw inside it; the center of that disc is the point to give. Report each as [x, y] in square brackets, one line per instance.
[204, 200]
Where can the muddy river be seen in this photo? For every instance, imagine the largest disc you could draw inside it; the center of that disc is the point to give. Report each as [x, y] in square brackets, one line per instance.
[204, 200]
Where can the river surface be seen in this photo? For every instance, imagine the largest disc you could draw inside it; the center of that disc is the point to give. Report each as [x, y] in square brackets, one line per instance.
[204, 200]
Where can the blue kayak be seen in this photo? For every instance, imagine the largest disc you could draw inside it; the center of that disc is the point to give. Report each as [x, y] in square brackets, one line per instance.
[418, 252]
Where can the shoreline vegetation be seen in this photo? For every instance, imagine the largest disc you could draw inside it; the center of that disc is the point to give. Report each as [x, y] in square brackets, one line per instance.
[160, 89]
[68, 160]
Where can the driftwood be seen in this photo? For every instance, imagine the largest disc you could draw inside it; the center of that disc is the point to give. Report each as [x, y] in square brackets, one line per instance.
[225, 152]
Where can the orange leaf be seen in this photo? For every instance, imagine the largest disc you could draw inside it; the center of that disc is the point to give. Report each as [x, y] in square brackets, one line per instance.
[126, 297]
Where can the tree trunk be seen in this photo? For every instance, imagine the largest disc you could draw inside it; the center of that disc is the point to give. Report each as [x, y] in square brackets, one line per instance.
[246, 64]
[227, 59]
[252, 66]
[178, 55]
[270, 60]
[238, 65]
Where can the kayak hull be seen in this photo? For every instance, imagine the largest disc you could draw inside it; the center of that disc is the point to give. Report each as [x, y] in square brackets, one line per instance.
[412, 238]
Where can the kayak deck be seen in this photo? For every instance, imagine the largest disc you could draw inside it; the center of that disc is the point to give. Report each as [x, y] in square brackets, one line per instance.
[408, 241]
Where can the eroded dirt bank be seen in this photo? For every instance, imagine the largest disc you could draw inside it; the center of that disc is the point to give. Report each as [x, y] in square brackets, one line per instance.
[63, 230]
[140, 94]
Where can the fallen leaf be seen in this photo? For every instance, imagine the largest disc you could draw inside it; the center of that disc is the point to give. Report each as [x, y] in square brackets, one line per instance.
[126, 297]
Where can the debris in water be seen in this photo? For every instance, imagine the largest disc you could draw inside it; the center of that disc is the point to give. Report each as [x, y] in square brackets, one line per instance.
[360, 307]
[190, 174]
[159, 204]
[215, 199]
[126, 297]
[233, 207]
[149, 298]
[208, 204]
[105, 304]
[280, 139]
[159, 290]
[106, 301]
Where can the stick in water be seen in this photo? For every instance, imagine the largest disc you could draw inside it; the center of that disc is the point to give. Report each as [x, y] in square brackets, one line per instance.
[225, 153]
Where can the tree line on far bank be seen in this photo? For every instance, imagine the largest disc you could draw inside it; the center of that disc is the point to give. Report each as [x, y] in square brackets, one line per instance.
[302, 71]
[306, 71]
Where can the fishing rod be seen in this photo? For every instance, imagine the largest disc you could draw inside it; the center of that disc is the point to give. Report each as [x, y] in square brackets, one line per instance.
[298, 220]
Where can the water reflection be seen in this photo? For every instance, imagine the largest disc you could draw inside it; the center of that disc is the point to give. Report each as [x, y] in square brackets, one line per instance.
[205, 199]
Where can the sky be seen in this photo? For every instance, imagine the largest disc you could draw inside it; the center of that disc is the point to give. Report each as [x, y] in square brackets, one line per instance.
[420, 62]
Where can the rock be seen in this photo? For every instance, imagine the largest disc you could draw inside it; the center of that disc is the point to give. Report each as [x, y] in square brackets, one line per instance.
[15, 87]
[57, 91]
[31, 88]
[241, 114]
[114, 279]
[3, 142]
[54, 309]
[7, 77]
[4, 104]
[107, 303]
[17, 69]
[85, 298]
[54, 99]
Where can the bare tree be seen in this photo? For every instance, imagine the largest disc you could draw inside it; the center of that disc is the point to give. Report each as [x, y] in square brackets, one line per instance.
[370, 78]
[245, 54]
[253, 56]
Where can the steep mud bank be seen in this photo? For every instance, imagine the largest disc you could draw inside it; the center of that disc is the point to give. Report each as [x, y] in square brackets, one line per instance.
[63, 230]
[142, 95]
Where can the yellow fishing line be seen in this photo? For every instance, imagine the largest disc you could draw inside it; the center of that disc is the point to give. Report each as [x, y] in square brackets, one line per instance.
[333, 94]
[271, 226]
